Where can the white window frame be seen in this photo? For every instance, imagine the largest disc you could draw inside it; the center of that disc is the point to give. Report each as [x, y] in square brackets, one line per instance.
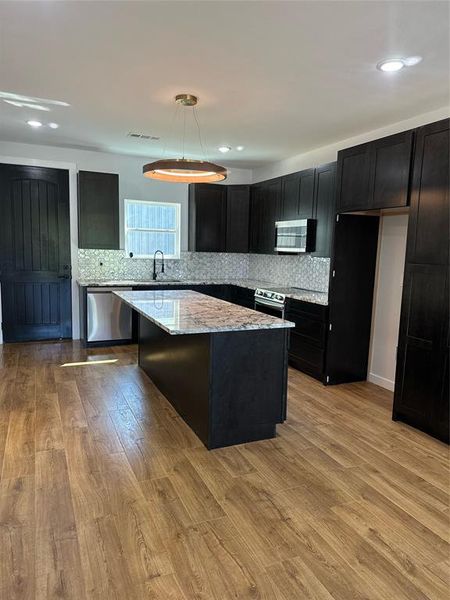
[177, 229]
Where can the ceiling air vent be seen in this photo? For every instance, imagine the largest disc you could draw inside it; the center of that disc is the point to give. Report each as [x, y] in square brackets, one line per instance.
[142, 136]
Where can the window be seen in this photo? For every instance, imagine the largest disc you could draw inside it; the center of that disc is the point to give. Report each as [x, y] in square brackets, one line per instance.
[151, 226]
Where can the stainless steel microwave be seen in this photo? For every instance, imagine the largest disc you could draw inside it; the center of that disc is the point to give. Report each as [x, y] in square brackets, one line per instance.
[296, 236]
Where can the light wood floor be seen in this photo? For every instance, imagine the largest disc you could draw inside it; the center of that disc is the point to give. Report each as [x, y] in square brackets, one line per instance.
[106, 494]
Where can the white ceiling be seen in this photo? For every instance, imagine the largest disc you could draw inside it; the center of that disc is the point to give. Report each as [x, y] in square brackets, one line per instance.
[278, 77]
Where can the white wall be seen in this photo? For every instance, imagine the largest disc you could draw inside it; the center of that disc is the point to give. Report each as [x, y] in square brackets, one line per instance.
[387, 299]
[132, 184]
[325, 154]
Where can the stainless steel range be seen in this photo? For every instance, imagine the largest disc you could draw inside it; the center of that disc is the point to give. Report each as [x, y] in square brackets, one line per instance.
[270, 302]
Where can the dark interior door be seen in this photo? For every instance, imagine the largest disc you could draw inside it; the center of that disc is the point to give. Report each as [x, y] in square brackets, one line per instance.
[35, 272]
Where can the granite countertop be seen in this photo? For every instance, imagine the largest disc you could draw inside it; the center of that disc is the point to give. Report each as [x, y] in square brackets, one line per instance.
[252, 284]
[184, 311]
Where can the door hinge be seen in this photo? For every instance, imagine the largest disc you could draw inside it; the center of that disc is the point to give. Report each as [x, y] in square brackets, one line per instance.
[328, 379]
[333, 274]
[330, 326]
[337, 218]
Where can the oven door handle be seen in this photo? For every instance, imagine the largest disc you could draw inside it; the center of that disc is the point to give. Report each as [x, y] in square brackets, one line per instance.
[275, 305]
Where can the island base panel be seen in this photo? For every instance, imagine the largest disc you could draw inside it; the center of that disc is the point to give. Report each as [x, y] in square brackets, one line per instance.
[229, 387]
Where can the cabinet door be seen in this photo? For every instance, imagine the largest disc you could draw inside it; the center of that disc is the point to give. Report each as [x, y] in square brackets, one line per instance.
[290, 188]
[353, 167]
[207, 217]
[428, 230]
[98, 210]
[256, 201]
[271, 206]
[324, 207]
[238, 212]
[419, 378]
[390, 170]
[441, 417]
[265, 210]
[297, 195]
[306, 194]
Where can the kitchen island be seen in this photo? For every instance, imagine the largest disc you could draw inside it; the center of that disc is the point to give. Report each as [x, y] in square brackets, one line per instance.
[223, 367]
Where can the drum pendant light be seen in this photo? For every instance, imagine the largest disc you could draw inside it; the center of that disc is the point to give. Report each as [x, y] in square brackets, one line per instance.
[185, 170]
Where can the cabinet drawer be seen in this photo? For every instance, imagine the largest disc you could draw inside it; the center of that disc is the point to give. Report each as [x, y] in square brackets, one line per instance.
[308, 328]
[306, 357]
[319, 311]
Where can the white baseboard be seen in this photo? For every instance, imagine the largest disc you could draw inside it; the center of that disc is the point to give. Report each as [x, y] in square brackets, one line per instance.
[381, 381]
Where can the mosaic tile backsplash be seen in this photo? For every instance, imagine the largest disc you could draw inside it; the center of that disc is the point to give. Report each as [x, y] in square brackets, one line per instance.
[299, 271]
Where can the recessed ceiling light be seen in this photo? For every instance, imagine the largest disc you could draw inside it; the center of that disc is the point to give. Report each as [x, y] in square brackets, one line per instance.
[239, 148]
[34, 99]
[34, 123]
[391, 65]
[53, 125]
[224, 149]
[26, 105]
[410, 61]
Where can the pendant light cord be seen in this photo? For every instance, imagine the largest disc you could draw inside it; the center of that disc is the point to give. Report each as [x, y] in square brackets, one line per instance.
[205, 156]
[184, 128]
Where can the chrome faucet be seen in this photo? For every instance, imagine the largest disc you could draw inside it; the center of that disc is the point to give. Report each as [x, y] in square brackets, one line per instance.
[155, 274]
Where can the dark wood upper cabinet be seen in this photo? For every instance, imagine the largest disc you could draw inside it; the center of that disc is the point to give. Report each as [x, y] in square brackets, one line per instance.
[207, 217]
[353, 168]
[375, 175]
[428, 231]
[264, 212]
[308, 194]
[297, 195]
[256, 193]
[238, 215]
[390, 170]
[98, 210]
[324, 208]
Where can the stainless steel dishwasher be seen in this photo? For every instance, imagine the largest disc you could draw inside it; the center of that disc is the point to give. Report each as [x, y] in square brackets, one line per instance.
[108, 318]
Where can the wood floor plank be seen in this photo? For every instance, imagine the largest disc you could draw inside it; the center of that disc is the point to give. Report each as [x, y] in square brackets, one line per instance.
[19, 453]
[106, 568]
[58, 566]
[376, 571]
[54, 508]
[165, 586]
[210, 561]
[194, 493]
[104, 434]
[70, 405]
[17, 563]
[168, 510]
[294, 582]
[396, 550]
[17, 497]
[48, 430]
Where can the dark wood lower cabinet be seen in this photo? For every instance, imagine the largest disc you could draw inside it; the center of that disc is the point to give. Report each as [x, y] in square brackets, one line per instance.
[308, 340]
[421, 391]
